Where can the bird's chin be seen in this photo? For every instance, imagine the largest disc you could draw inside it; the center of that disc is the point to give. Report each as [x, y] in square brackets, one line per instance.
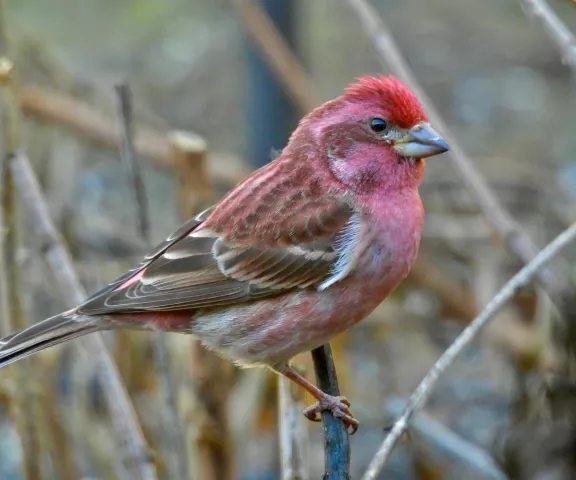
[414, 160]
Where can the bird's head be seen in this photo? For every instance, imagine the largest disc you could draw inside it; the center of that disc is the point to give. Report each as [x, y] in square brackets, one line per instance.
[375, 135]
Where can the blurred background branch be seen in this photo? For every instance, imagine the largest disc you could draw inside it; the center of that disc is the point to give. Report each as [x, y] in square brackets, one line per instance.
[293, 431]
[135, 457]
[555, 28]
[23, 388]
[60, 109]
[448, 442]
[426, 386]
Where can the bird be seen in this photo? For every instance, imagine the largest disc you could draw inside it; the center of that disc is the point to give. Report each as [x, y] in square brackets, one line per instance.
[298, 252]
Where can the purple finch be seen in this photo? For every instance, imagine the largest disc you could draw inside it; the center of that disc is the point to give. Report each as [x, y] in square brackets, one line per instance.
[297, 253]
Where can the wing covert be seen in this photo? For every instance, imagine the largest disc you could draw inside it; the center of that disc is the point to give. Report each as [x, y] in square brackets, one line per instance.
[254, 243]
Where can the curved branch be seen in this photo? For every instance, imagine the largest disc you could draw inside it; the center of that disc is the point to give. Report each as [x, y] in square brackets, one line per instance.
[555, 28]
[424, 390]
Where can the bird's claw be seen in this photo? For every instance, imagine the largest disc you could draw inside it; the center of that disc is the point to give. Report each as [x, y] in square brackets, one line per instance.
[338, 406]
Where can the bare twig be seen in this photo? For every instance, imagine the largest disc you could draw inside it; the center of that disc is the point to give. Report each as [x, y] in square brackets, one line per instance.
[293, 432]
[135, 454]
[449, 443]
[90, 123]
[174, 448]
[512, 333]
[515, 238]
[25, 402]
[556, 29]
[336, 441]
[174, 445]
[59, 443]
[130, 161]
[424, 390]
[278, 54]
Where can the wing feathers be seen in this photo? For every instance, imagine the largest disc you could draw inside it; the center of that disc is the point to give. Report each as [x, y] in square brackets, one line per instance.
[203, 265]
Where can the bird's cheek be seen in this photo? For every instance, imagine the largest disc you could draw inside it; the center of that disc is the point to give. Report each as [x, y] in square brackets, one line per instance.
[363, 169]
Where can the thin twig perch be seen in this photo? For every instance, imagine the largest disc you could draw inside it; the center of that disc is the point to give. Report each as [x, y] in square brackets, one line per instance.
[424, 390]
[336, 441]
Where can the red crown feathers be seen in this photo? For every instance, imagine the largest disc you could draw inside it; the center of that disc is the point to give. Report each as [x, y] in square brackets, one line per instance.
[399, 102]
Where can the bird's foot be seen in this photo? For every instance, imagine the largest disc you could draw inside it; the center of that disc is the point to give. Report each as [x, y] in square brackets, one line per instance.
[340, 408]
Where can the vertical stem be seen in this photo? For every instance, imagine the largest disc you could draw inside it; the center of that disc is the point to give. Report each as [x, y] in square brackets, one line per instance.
[59, 446]
[130, 160]
[271, 113]
[25, 405]
[336, 441]
[293, 431]
[133, 459]
[23, 401]
[211, 375]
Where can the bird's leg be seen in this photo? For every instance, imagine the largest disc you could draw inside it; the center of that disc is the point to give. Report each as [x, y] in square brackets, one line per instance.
[339, 406]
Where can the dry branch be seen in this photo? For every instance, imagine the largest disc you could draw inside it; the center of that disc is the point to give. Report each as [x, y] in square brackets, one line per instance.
[449, 442]
[555, 28]
[292, 430]
[25, 402]
[505, 226]
[277, 53]
[336, 440]
[88, 122]
[133, 450]
[130, 161]
[425, 388]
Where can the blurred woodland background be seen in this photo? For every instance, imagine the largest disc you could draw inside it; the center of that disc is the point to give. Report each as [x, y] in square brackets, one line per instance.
[200, 85]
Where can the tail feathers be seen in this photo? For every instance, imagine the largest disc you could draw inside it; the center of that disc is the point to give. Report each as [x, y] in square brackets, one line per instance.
[44, 334]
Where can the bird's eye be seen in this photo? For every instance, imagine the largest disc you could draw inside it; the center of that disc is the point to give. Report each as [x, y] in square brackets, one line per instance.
[378, 125]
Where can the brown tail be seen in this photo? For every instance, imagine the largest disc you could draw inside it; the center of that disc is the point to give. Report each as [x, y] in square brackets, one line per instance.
[44, 334]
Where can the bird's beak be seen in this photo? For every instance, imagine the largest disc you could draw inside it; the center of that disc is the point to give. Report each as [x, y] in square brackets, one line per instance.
[421, 141]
